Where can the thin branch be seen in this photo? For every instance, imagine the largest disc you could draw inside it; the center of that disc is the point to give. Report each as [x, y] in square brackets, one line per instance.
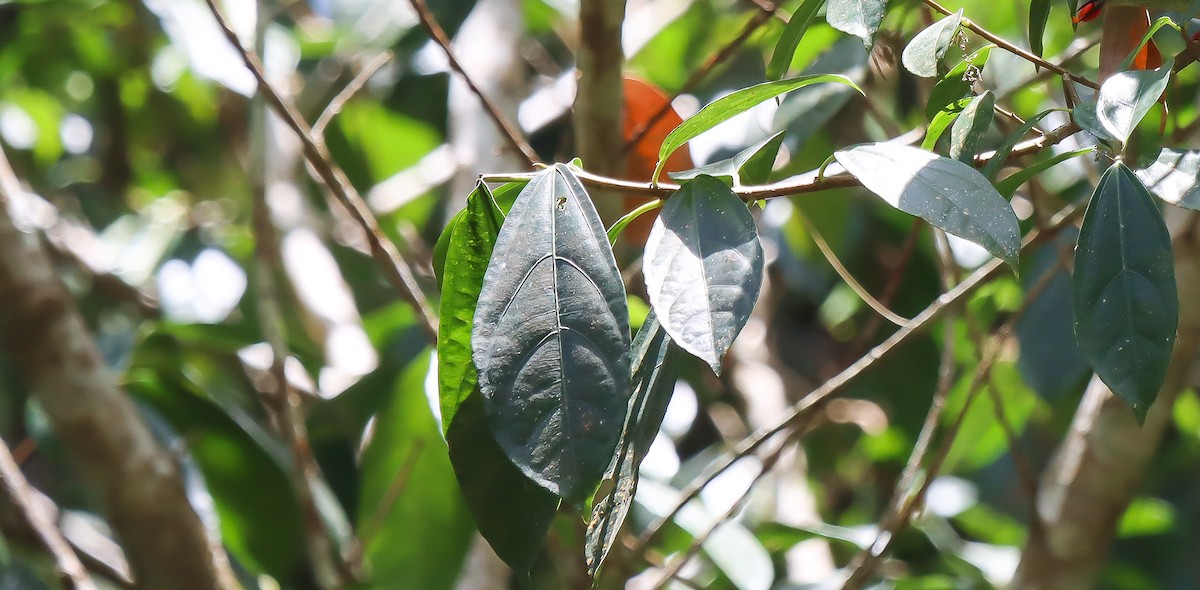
[383, 251]
[284, 402]
[356, 84]
[802, 410]
[514, 137]
[863, 564]
[16, 489]
[844, 272]
[809, 182]
[1013, 49]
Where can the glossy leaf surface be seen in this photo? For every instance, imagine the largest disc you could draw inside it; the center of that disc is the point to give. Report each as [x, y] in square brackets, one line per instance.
[860, 18]
[947, 193]
[923, 54]
[750, 166]
[971, 126]
[1173, 177]
[511, 511]
[1126, 97]
[703, 267]
[551, 338]
[1123, 289]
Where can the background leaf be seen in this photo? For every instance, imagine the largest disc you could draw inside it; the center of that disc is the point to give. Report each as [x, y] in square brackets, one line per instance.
[703, 267]
[947, 193]
[790, 39]
[732, 104]
[860, 18]
[551, 338]
[924, 53]
[1039, 13]
[1123, 289]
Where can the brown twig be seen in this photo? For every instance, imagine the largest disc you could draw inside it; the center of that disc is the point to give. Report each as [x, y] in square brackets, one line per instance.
[1013, 49]
[809, 182]
[356, 84]
[510, 132]
[383, 251]
[17, 491]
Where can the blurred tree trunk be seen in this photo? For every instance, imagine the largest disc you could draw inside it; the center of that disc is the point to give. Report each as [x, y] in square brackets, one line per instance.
[598, 99]
[1098, 468]
[135, 479]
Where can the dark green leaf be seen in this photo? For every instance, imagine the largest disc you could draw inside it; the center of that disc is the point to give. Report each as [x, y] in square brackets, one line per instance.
[947, 193]
[750, 166]
[860, 18]
[954, 85]
[469, 251]
[1123, 289]
[512, 512]
[551, 338]
[970, 127]
[927, 48]
[1001, 155]
[736, 103]
[653, 383]
[703, 267]
[1126, 97]
[793, 33]
[1039, 13]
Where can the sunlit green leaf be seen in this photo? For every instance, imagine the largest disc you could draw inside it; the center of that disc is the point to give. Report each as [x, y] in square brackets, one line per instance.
[1126, 307]
[1173, 177]
[947, 193]
[793, 33]
[1008, 187]
[923, 54]
[733, 104]
[860, 18]
[703, 267]
[1126, 97]
[749, 166]
[1001, 156]
[551, 338]
[971, 126]
[469, 251]
[955, 84]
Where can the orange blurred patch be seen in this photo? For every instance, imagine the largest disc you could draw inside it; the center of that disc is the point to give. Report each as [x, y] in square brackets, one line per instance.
[643, 102]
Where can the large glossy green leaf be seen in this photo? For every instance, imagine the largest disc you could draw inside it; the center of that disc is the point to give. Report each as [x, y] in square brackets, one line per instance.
[793, 33]
[1123, 289]
[703, 267]
[1126, 97]
[511, 511]
[1173, 177]
[923, 54]
[750, 166]
[860, 18]
[413, 522]
[468, 253]
[551, 338]
[970, 127]
[653, 383]
[736, 103]
[947, 193]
